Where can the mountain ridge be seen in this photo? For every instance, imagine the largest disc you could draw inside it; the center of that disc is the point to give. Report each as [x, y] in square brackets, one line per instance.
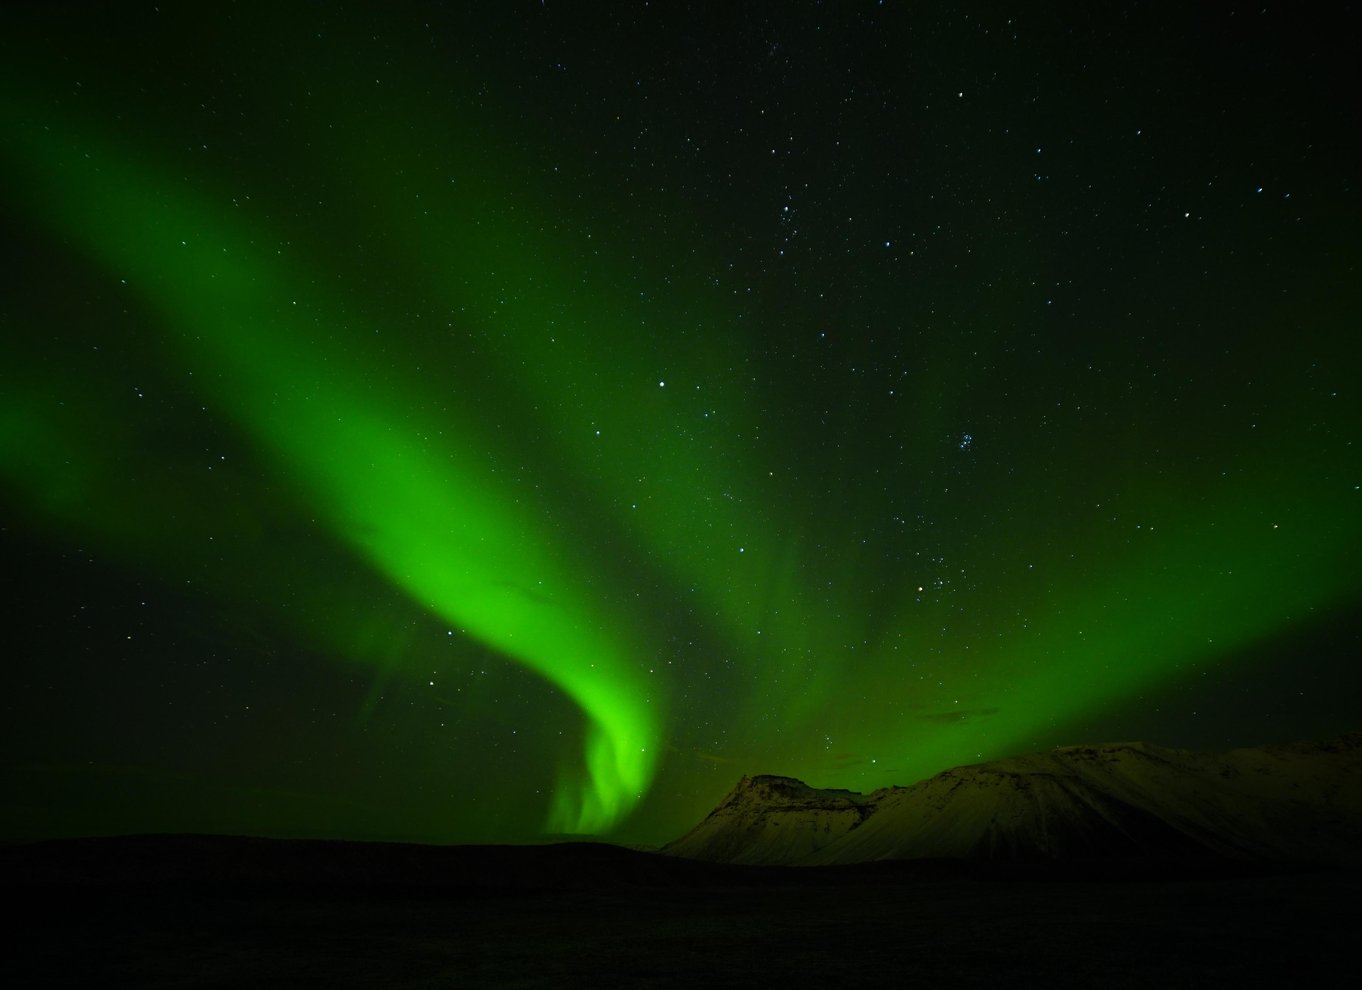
[1291, 802]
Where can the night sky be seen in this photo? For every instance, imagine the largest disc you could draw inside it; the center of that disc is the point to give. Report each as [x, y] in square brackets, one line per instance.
[476, 425]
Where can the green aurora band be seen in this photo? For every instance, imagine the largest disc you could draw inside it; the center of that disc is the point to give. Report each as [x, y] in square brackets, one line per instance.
[431, 516]
[475, 461]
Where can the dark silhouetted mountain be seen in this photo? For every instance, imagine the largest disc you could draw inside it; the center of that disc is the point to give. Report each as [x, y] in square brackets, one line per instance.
[1297, 803]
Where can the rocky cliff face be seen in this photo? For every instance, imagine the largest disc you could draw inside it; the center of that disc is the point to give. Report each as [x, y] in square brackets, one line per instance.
[769, 819]
[1296, 803]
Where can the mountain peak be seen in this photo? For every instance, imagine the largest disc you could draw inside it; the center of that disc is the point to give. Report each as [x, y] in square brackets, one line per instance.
[787, 789]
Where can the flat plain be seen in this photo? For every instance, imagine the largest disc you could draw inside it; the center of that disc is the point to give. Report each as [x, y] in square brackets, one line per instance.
[197, 912]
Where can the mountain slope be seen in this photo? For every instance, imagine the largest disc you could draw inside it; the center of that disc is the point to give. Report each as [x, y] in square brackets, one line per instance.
[1295, 803]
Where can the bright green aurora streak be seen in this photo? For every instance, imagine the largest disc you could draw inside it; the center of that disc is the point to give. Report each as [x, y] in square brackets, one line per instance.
[431, 516]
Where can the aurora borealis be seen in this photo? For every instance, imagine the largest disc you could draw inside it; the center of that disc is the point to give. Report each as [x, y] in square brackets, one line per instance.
[471, 424]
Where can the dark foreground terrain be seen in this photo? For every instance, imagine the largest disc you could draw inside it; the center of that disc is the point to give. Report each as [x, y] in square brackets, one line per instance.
[162, 912]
